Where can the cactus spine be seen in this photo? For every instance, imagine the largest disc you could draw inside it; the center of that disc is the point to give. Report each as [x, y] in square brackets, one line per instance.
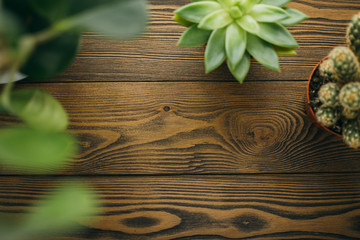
[340, 93]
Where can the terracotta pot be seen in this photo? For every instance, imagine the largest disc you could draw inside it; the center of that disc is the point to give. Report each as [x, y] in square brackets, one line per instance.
[310, 110]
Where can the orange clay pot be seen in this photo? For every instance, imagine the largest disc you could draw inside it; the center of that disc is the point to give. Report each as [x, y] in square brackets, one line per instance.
[309, 109]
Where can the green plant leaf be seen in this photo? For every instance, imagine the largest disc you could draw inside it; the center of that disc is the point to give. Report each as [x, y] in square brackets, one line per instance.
[52, 57]
[295, 17]
[226, 3]
[10, 29]
[267, 13]
[284, 51]
[216, 20]
[196, 11]
[121, 19]
[263, 52]
[278, 3]
[248, 4]
[276, 34]
[235, 44]
[215, 50]
[242, 69]
[194, 36]
[61, 210]
[35, 151]
[39, 110]
[249, 24]
[182, 21]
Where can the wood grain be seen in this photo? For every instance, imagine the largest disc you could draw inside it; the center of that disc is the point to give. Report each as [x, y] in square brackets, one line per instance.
[299, 207]
[183, 128]
[155, 56]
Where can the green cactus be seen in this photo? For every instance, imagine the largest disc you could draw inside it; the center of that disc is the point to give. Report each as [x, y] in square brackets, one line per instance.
[349, 113]
[353, 35]
[329, 94]
[350, 96]
[340, 92]
[328, 116]
[351, 133]
[326, 70]
[346, 65]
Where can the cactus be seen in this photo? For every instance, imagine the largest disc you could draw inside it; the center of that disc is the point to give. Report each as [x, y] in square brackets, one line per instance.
[351, 133]
[328, 116]
[350, 96]
[353, 35]
[346, 65]
[326, 70]
[329, 94]
[340, 93]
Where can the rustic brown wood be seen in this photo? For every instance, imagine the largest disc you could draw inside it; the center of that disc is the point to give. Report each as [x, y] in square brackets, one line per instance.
[211, 207]
[155, 56]
[177, 128]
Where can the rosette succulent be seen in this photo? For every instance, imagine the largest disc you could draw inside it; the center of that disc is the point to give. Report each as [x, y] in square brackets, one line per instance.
[236, 30]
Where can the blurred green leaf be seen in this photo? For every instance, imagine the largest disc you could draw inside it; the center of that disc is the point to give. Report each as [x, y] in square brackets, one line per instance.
[116, 18]
[194, 36]
[52, 57]
[10, 29]
[263, 52]
[35, 151]
[62, 209]
[121, 19]
[215, 53]
[29, 19]
[196, 11]
[295, 17]
[39, 110]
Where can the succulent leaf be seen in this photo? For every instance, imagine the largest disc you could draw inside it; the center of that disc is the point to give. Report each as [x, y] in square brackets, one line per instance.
[196, 11]
[278, 3]
[263, 52]
[215, 20]
[249, 24]
[267, 13]
[215, 53]
[284, 51]
[182, 21]
[241, 70]
[235, 44]
[194, 37]
[276, 34]
[295, 17]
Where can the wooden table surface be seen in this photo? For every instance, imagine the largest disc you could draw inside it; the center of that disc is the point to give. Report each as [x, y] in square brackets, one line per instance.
[179, 154]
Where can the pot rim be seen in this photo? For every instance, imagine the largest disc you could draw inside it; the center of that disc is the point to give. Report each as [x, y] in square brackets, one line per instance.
[309, 109]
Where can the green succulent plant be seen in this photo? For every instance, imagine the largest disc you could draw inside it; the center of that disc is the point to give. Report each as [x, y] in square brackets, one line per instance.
[341, 75]
[236, 30]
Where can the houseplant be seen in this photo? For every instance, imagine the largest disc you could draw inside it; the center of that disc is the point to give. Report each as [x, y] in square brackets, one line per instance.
[40, 38]
[333, 93]
[236, 30]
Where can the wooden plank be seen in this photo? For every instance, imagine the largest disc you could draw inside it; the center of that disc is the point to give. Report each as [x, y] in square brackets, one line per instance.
[211, 207]
[177, 128]
[155, 56]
